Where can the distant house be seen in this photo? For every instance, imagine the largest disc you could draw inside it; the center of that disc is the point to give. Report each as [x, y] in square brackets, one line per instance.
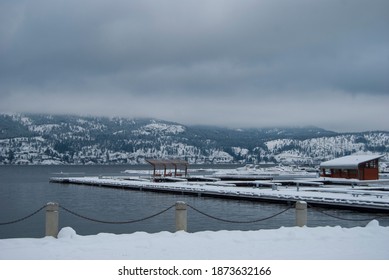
[362, 167]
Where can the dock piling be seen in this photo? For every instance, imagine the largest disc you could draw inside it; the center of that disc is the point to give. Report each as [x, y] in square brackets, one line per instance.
[301, 213]
[52, 215]
[181, 216]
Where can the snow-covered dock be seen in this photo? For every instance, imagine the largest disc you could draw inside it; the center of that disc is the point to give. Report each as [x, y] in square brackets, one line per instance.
[338, 196]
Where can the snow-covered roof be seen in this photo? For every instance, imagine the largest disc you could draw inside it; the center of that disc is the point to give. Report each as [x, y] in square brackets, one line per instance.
[349, 162]
[167, 162]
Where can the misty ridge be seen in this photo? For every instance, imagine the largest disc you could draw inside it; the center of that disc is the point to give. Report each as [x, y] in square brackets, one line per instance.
[241, 63]
[66, 139]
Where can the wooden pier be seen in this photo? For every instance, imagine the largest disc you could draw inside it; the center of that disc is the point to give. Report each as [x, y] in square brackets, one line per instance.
[344, 198]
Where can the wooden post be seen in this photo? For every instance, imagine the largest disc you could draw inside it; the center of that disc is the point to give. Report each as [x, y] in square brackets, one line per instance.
[181, 216]
[301, 213]
[52, 219]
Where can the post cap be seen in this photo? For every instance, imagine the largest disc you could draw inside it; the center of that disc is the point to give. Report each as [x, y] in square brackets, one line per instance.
[300, 205]
[180, 205]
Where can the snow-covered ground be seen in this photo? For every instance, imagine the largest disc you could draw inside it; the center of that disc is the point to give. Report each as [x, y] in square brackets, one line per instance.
[286, 243]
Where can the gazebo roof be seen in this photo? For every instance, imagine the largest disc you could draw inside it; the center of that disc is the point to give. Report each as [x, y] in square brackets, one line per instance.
[349, 162]
[167, 162]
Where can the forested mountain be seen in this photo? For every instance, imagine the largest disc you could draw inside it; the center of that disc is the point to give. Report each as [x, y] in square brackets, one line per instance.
[61, 139]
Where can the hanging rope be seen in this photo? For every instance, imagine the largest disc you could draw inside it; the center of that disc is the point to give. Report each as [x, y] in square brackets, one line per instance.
[195, 209]
[348, 219]
[24, 218]
[240, 222]
[115, 222]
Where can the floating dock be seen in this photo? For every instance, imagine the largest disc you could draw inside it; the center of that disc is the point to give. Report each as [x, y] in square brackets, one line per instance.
[374, 199]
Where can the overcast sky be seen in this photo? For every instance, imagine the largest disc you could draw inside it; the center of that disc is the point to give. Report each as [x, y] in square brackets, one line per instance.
[237, 63]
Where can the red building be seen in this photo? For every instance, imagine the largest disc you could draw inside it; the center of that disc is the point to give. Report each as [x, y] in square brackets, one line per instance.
[362, 167]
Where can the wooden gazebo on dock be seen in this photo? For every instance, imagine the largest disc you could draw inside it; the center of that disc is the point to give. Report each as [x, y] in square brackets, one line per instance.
[165, 167]
[362, 167]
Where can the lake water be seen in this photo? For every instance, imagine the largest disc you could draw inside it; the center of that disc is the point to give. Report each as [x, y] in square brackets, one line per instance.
[24, 189]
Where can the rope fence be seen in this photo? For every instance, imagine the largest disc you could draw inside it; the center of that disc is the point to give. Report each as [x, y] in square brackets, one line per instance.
[24, 218]
[52, 210]
[347, 219]
[240, 222]
[116, 222]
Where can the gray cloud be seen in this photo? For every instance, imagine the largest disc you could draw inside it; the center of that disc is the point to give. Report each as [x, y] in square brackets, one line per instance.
[268, 62]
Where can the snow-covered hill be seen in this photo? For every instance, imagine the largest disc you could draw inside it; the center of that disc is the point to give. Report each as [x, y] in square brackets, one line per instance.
[48, 139]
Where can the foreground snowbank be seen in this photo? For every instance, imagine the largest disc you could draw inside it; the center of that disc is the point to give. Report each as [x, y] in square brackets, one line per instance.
[321, 243]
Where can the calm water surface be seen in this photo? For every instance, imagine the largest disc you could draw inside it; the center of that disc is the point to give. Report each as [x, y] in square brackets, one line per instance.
[24, 189]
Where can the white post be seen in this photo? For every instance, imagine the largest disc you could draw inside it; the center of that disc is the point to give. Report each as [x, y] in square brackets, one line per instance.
[181, 216]
[301, 213]
[52, 219]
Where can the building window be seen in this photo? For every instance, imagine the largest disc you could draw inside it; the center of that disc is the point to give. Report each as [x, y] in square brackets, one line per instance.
[371, 164]
[353, 173]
